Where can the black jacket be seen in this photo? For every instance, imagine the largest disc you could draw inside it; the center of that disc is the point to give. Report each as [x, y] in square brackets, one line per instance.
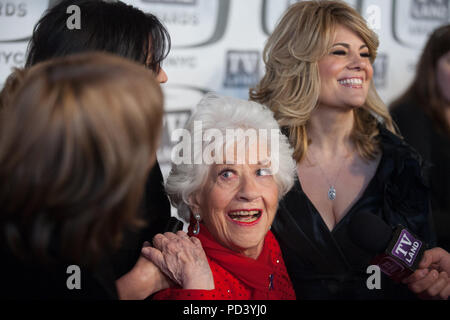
[420, 132]
[326, 264]
[33, 280]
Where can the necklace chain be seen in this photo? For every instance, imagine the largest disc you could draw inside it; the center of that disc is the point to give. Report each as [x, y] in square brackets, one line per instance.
[332, 190]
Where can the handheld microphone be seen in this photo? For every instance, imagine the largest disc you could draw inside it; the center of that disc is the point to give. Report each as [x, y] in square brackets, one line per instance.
[397, 253]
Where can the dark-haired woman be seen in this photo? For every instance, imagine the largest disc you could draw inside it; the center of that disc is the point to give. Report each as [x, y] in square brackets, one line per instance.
[422, 114]
[120, 29]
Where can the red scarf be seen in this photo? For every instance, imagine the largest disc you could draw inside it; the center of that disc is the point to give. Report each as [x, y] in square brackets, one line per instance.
[254, 273]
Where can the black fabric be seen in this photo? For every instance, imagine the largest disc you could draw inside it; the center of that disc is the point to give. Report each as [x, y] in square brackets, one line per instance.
[327, 265]
[434, 146]
[33, 280]
[155, 211]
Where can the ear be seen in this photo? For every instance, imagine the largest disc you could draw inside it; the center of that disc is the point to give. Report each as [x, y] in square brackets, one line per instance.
[194, 203]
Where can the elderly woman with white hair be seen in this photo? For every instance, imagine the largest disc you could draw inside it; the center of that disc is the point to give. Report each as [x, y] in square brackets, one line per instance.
[228, 182]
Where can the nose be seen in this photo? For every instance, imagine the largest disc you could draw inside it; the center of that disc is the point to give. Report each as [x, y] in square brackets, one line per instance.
[249, 190]
[357, 63]
[161, 77]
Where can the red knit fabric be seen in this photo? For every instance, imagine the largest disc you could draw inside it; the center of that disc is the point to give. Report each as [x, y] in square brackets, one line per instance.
[229, 286]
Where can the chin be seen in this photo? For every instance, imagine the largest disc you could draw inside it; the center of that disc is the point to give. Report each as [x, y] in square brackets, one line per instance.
[356, 103]
[249, 239]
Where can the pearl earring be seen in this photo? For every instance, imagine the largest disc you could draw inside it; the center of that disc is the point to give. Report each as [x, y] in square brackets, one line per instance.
[197, 225]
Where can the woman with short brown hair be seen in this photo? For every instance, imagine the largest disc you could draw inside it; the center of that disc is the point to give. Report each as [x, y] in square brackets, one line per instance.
[76, 144]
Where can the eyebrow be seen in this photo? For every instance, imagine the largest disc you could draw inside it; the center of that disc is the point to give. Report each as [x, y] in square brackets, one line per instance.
[347, 45]
[263, 162]
[259, 163]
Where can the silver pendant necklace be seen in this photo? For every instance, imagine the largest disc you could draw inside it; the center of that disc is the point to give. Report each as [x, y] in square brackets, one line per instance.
[331, 190]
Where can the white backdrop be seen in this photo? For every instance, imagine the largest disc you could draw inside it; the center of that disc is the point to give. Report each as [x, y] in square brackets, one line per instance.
[217, 45]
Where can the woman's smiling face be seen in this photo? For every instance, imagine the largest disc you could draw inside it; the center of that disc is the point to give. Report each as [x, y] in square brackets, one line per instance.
[238, 203]
[345, 71]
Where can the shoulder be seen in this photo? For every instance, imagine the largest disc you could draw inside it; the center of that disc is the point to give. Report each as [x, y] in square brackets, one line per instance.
[400, 160]
[407, 110]
[403, 178]
[396, 148]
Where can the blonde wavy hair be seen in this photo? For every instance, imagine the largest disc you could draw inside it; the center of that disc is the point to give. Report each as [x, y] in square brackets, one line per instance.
[291, 85]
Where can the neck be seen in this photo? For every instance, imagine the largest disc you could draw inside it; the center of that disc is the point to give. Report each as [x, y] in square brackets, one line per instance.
[329, 130]
[252, 253]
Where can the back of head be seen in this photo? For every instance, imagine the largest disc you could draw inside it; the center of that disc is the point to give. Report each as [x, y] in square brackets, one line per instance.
[112, 27]
[10, 87]
[76, 144]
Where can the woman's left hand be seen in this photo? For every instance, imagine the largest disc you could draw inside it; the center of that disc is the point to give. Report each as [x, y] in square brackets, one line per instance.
[182, 259]
[431, 280]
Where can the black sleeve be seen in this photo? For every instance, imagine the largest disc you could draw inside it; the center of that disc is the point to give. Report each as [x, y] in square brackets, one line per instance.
[155, 211]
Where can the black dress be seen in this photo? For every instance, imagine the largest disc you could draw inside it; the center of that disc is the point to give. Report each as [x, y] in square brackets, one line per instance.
[326, 264]
[434, 146]
[33, 280]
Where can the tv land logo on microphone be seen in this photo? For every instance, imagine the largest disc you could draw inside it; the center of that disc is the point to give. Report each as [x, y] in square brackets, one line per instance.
[204, 20]
[407, 248]
[415, 20]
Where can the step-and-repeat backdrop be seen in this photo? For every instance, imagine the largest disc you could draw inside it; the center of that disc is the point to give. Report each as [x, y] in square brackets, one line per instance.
[217, 45]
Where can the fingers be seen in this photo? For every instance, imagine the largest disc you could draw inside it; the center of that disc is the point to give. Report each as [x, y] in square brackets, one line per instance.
[416, 276]
[426, 260]
[182, 234]
[182, 259]
[433, 256]
[196, 241]
[433, 285]
[445, 293]
[154, 255]
[439, 285]
[162, 240]
[423, 284]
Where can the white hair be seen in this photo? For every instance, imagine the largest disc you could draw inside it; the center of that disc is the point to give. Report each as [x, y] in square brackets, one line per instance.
[223, 113]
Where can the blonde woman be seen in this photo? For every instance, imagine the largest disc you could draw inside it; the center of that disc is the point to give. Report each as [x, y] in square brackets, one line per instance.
[319, 84]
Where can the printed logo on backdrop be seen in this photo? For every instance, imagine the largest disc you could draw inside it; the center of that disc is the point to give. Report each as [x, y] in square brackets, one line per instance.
[413, 21]
[380, 71]
[180, 61]
[272, 10]
[189, 2]
[180, 101]
[17, 18]
[205, 21]
[172, 120]
[407, 248]
[242, 69]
